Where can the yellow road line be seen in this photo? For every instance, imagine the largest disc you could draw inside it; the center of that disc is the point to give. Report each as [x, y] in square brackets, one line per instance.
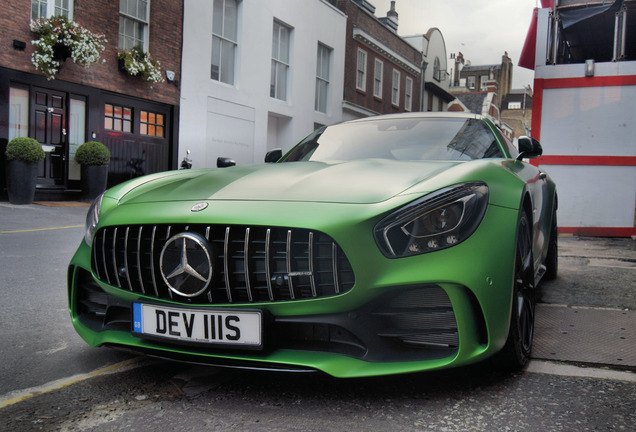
[40, 229]
[22, 395]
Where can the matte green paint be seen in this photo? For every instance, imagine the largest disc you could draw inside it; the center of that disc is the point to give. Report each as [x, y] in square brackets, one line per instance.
[311, 195]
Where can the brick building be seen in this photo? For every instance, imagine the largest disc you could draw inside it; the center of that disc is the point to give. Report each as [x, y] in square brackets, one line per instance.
[136, 119]
[382, 70]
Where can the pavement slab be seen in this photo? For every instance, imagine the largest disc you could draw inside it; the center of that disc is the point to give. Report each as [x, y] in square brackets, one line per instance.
[585, 335]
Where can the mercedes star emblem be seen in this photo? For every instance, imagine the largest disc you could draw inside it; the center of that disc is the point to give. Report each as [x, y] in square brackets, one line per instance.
[199, 206]
[186, 264]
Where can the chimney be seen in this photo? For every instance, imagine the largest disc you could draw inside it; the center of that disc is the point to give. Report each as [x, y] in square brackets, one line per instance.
[391, 19]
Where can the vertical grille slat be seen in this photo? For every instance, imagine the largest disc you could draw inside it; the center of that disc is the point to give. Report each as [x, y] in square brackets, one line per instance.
[288, 262]
[114, 256]
[226, 263]
[141, 278]
[126, 268]
[250, 264]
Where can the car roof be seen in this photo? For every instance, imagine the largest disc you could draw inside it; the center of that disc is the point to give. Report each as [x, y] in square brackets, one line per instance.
[422, 115]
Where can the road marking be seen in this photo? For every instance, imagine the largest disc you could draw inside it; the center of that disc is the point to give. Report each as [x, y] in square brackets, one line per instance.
[552, 368]
[22, 395]
[41, 229]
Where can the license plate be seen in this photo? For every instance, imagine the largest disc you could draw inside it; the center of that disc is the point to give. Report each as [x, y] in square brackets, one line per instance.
[212, 326]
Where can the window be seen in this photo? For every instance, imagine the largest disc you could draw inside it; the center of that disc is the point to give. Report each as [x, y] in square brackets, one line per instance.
[395, 90]
[483, 80]
[151, 124]
[378, 72]
[118, 118]
[280, 61]
[18, 112]
[514, 105]
[50, 8]
[77, 133]
[224, 40]
[133, 24]
[322, 77]
[470, 82]
[361, 78]
[408, 94]
[437, 72]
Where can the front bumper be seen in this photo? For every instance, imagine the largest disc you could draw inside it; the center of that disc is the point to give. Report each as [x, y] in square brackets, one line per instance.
[437, 310]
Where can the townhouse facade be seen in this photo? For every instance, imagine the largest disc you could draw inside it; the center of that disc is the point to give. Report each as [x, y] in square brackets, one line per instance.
[382, 72]
[136, 119]
[258, 75]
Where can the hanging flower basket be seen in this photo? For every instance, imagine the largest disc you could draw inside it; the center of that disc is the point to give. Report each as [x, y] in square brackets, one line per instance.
[137, 62]
[59, 39]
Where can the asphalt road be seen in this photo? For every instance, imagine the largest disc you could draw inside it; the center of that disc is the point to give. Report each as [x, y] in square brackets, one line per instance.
[51, 380]
[38, 342]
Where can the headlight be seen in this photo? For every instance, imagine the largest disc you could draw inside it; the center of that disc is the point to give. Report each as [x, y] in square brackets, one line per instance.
[91, 219]
[437, 221]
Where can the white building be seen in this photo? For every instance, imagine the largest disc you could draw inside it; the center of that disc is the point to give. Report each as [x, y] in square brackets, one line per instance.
[258, 75]
[436, 81]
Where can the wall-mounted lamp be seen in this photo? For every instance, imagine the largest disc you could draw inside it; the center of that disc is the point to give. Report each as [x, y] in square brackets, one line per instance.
[589, 68]
[170, 78]
[19, 45]
[93, 135]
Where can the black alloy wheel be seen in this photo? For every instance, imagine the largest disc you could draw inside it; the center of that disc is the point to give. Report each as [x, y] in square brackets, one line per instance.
[516, 352]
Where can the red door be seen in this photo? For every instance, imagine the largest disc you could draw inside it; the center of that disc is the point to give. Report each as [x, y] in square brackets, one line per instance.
[48, 120]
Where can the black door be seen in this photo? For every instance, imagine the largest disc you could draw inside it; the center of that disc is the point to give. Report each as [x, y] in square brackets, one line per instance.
[48, 120]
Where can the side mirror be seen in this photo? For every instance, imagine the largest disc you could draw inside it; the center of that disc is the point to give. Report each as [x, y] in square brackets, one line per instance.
[224, 162]
[273, 155]
[529, 148]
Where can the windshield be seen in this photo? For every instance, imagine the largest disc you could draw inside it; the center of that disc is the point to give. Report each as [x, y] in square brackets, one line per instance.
[406, 139]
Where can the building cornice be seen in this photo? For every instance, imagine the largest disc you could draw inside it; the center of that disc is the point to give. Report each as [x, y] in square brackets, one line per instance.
[370, 41]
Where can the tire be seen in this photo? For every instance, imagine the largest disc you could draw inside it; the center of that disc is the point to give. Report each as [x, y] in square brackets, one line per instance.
[552, 260]
[516, 352]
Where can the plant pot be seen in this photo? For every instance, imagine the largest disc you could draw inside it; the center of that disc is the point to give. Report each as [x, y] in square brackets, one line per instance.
[61, 52]
[21, 181]
[94, 179]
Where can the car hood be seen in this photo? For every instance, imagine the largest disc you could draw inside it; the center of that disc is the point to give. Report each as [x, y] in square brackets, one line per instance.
[357, 182]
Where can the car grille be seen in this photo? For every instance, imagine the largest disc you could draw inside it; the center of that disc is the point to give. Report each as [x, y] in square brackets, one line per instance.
[249, 264]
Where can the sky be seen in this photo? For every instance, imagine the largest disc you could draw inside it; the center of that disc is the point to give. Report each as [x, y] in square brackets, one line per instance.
[481, 30]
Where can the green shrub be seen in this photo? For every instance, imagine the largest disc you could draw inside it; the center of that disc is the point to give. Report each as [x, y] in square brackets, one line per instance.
[92, 153]
[25, 149]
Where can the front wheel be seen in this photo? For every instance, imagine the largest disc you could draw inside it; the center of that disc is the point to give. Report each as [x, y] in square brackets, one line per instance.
[516, 352]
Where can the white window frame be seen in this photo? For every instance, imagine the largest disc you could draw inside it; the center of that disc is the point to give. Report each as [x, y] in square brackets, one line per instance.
[408, 94]
[228, 47]
[323, 66]
[483, 79]
[144, 22]
[437, 72]
[361, 70]
[378, 78]
[281, 64]
[53, 8]
[395, 87]
[470, 82]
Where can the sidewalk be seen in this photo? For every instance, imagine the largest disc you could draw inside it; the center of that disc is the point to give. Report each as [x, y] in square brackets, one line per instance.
[588, 314]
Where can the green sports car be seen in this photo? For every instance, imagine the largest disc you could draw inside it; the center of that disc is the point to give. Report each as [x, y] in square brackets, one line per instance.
[385, 245]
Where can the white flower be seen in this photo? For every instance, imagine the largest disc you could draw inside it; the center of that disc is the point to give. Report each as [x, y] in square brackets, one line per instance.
[84, 46]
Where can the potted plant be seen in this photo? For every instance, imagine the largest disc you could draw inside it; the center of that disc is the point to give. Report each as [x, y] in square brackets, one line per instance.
[23, 155]
[58, 39]
[137, 62]
[94, 158]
